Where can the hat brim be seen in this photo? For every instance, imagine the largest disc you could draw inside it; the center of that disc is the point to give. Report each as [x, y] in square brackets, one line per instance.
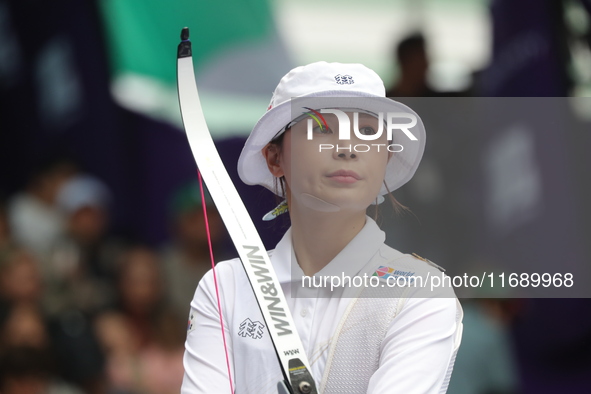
[252, 166]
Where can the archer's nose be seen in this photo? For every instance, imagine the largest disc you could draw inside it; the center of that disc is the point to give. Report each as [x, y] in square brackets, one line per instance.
[344, 152]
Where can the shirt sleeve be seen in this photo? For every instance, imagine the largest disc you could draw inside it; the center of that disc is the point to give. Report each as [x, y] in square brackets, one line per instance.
[419, 349]
[204, 360]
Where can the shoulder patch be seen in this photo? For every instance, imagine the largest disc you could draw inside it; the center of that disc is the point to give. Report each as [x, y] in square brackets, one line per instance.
[416, 256]
[191, 321]
[385, 272]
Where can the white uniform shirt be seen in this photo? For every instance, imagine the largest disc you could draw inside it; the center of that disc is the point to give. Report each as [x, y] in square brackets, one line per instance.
[416, 353]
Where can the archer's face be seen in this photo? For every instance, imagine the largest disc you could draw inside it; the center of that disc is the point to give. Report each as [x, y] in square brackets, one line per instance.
[347, 174]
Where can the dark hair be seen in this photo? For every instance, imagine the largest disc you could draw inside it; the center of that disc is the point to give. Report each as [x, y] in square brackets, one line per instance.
[52, 165]
[279, 183]
[409, 44]
[24, 362]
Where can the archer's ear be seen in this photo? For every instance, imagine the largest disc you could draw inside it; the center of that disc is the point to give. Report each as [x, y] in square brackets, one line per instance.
[272, 155]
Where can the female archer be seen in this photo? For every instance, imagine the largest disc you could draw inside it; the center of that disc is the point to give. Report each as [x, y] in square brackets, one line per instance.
[331, 144]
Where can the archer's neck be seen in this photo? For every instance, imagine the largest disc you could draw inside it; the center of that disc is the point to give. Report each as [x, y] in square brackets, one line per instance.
[318, 237]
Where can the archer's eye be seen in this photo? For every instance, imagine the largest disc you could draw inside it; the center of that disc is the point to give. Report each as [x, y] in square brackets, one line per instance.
[322, 130]
[367, 130]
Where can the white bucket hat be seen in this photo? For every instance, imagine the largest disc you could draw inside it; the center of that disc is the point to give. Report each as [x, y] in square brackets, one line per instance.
[328, 80]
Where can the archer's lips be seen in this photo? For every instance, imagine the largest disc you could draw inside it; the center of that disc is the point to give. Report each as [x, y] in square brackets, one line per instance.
[344, 176]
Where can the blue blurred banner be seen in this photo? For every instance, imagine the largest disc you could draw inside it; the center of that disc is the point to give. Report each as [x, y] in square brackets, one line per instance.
[530, 53]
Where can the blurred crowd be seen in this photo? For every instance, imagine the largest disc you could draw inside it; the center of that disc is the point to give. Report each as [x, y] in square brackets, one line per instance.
[82, 310]
[85, 311]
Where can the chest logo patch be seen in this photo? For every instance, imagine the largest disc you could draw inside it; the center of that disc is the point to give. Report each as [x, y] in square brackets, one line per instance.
[249, 328]
[384, 272]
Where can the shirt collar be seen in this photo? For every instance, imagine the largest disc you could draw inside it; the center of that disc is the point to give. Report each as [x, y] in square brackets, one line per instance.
[348, 262]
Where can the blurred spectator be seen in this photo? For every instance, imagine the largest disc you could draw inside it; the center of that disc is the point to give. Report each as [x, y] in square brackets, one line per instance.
[143, 338]
[413, 62]
[68, 336]
[80, 269]
[141, 291]
[27, 362]
[23, 325]
[411, 56]
[85, 200]
[35, 221]
[485, 363]
[439, 224]
[29, 370]
[20, 281]
[78, 351]
[5, 236]
[186, 259]
[121, 348]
